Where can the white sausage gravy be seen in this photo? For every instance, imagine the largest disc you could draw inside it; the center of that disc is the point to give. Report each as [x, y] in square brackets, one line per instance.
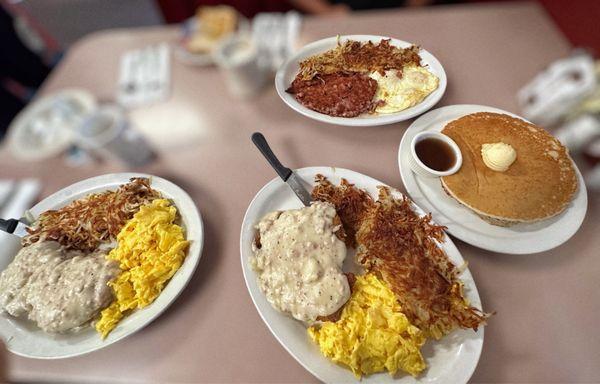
[299, 262]
[58, 289]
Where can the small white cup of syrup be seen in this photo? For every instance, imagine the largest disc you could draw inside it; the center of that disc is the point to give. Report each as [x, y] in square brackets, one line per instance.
[433, 154]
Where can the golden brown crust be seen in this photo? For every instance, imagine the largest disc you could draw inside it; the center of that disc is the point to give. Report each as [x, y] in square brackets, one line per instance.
[339, 232]
[538, 185]
[351, 204]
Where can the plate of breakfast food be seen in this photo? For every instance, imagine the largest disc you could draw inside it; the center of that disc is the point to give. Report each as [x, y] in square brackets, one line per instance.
[361, 284]
[516, 191]
[102, 259]
[202, 33]
[46, 127]
[361, 80]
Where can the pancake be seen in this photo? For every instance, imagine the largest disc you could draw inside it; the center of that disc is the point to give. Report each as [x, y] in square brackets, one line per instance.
[537, 186]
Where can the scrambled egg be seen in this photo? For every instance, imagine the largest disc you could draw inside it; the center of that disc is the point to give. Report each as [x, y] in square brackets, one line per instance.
[372, 334]
[150, 249]
[399, 94]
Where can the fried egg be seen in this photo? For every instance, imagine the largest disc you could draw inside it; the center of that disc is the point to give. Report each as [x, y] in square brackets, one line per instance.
[398, 94]
[372, 334]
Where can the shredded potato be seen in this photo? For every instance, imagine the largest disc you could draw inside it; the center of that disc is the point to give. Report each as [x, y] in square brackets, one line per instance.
[150, 249]
[397, 244]
[354, 56]
[351, 204]
[86, 222]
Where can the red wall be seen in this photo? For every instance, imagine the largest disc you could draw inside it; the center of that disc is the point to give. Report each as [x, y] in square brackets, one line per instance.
[579, 20]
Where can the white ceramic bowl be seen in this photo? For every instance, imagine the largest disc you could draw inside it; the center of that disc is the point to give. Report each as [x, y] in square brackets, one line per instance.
[239, 62]
[420, 168]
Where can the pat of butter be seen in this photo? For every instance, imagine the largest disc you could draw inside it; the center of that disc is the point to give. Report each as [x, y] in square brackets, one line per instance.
[498, 156]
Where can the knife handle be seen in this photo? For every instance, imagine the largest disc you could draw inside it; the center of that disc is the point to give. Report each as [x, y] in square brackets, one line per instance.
[261, 143]
[9, 225]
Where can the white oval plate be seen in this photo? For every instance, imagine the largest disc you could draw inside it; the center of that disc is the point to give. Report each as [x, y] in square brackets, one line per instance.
[451, 360]
[25, 339]
[288, 71]
[20, 132]
[466, 225]
[193, 59]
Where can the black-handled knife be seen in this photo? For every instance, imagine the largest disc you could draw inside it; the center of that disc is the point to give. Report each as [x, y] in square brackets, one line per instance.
[14, 226]
[286, 174]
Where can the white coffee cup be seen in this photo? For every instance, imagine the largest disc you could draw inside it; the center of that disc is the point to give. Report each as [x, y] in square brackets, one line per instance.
[107, 133]
[238, 59]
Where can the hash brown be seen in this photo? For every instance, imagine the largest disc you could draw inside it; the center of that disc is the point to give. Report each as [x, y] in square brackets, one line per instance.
[394, 242]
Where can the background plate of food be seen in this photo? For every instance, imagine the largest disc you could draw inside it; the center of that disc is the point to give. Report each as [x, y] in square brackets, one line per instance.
[533, 203]
[104, 258]
[361, 80]
[368, 318]
[202, 33]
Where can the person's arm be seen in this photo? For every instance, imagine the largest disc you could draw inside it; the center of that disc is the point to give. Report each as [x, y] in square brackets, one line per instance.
[319, 7]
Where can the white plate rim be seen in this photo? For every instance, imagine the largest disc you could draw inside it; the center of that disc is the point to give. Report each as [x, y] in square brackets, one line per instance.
[284, 74]
[194, 232]
[448, 245]
[517, 246]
